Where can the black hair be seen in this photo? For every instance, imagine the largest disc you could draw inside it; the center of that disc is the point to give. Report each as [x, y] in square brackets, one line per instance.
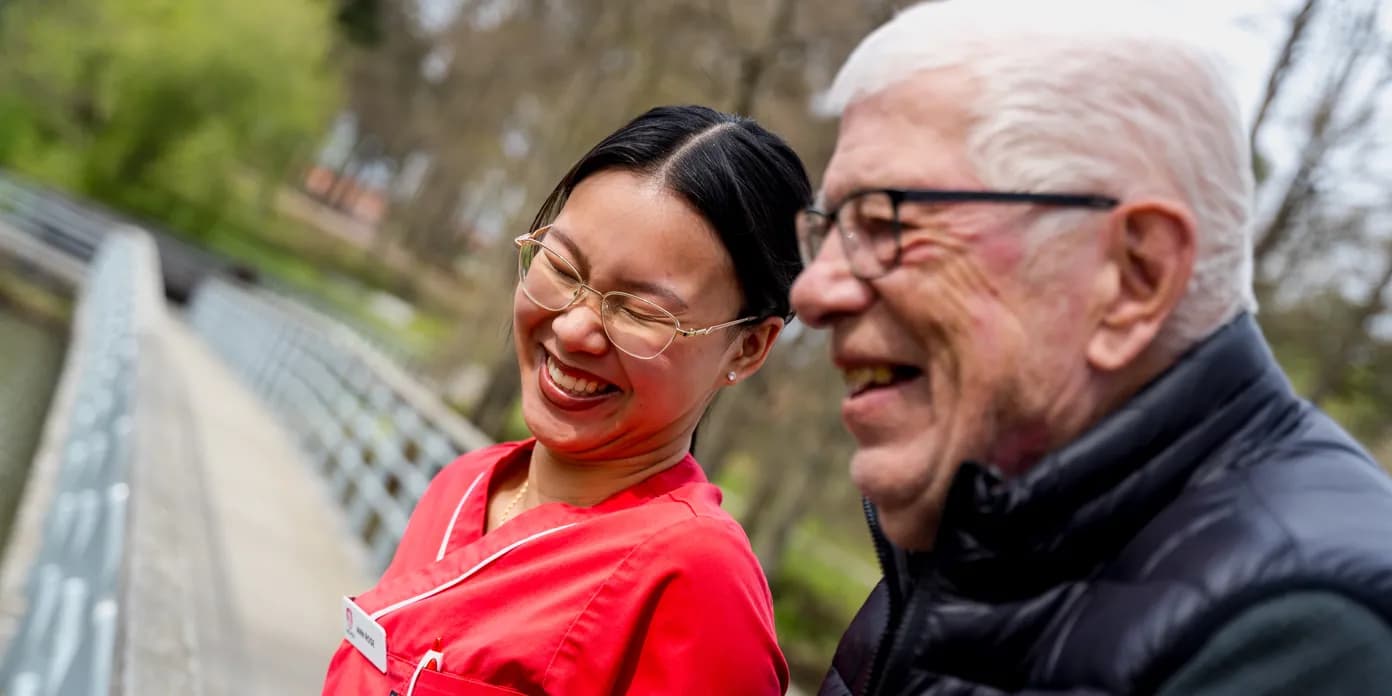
[746, 182]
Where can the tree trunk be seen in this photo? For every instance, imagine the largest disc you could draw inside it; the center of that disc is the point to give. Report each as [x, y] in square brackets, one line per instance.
[786, 509]
[758, 508]
[794, 487]
[494, 408]
[438, 196]
[722, 423]
[755, 63]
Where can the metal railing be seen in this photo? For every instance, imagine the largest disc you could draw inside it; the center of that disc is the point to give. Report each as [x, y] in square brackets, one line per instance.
[66, 642]
[77, 227]
[52, 218]
[375, 434]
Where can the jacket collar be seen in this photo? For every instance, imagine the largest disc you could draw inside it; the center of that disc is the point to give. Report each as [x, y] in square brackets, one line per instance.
[1081, 503]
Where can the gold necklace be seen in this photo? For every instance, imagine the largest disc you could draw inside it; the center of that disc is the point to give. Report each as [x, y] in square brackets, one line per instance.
[507, 511]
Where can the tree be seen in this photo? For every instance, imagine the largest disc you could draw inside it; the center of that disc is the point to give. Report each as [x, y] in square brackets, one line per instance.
[360, 21]
[157, 110]
[1276, 78]
[1323, 263]
[1338, 118]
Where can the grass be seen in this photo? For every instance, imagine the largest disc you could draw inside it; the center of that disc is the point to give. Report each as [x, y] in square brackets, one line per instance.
[340, 280]
[333, 290]
[34, 299]
[815, 596]
[243, 226]
[812, 606]
[816, 592]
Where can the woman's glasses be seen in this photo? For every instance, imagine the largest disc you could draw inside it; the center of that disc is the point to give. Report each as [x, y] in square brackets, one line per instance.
[636, 326]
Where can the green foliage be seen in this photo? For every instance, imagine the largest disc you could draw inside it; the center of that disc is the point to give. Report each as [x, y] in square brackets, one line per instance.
[810, 621]
[516, 426]
[1326, 355]
[360, 21]
[1261, 167]
[150, 104]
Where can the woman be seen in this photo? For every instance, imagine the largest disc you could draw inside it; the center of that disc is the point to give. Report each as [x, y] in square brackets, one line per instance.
[596, 559]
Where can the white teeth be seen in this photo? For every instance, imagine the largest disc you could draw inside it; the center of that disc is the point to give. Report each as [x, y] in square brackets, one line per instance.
[859, 378]
[580, 387]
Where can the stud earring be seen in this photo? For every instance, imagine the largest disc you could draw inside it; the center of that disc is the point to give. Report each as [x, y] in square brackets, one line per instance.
[731, 376]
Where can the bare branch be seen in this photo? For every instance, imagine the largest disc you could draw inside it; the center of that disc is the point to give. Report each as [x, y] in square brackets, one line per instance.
[1277, 78]
[1324, 132]
[755, 63]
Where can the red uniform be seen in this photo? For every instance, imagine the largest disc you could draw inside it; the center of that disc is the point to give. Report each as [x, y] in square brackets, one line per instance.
[653, 591]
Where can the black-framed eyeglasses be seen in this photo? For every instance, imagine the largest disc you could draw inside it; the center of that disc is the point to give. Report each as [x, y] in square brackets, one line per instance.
[868, 221]
[635, 325]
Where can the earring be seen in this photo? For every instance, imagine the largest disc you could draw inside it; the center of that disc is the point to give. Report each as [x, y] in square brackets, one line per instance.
[731, 376]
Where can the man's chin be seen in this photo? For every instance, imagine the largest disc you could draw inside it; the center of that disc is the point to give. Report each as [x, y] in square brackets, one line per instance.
[907, 490]
[891, 476]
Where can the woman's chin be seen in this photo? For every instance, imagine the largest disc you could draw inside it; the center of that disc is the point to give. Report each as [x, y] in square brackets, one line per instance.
[561, 431]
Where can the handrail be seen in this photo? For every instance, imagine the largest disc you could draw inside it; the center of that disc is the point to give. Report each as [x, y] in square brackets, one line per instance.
[80, 488]
[54, 219]
[375, 433]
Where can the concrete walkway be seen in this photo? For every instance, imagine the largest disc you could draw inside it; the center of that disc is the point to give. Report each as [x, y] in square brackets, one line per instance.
[281, 552]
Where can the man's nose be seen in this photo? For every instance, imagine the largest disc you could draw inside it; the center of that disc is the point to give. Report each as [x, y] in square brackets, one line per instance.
[826, 288]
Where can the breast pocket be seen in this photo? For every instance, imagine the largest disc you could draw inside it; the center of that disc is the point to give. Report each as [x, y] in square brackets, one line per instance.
[433, 683]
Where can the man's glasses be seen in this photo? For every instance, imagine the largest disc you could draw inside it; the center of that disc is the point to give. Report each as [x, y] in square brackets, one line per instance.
[636, 326]
[868, 221]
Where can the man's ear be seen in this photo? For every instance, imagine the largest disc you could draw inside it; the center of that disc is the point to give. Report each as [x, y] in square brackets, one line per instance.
[1151, 247]
[752, 349]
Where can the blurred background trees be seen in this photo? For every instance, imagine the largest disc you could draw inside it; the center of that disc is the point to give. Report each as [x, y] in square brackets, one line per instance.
[1323, 251]
[159, 106]
[375, 157]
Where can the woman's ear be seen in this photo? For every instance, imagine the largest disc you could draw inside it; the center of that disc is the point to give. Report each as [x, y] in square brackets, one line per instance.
[751, 350]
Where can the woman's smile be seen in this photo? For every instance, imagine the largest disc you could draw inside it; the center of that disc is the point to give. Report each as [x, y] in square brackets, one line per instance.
[570, 388]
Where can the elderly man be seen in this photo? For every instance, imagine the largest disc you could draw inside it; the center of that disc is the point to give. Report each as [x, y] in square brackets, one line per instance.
[1084, 471]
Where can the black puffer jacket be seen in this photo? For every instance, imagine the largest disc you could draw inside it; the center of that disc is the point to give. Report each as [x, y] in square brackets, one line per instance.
[1105, 567]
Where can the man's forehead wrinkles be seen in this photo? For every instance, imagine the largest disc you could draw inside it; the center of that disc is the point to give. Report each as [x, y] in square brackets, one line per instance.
[877, 158]
[856, 174]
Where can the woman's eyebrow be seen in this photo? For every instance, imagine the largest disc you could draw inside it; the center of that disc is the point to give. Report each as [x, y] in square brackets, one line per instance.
[675, 303]
[582, 262]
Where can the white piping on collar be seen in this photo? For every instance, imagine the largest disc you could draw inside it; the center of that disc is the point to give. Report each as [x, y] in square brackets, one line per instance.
[444, 543]
[377, 615]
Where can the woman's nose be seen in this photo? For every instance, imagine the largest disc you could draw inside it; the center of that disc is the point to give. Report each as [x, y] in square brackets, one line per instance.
[579, 327]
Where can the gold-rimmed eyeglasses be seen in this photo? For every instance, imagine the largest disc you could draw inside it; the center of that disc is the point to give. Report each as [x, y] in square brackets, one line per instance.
[635, 325]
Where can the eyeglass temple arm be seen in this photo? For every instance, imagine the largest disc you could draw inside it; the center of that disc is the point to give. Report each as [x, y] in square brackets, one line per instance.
[717, 327]
[1072, 200]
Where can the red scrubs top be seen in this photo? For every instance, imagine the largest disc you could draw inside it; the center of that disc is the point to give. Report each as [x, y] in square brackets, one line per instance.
[653, 591]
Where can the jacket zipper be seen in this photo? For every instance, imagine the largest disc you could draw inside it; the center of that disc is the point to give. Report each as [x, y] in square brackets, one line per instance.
[889, 570]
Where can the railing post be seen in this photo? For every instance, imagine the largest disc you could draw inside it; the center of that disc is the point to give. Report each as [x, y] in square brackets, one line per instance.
[373, 432]
[64, 617]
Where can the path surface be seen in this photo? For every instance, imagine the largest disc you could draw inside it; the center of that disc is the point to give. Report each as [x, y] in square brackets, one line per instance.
[282, 553]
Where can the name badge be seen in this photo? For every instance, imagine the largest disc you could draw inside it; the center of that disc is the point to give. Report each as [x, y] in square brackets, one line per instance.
[365, 634]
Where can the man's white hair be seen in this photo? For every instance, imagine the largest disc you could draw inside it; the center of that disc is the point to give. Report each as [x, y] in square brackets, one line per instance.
[1076, 98]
